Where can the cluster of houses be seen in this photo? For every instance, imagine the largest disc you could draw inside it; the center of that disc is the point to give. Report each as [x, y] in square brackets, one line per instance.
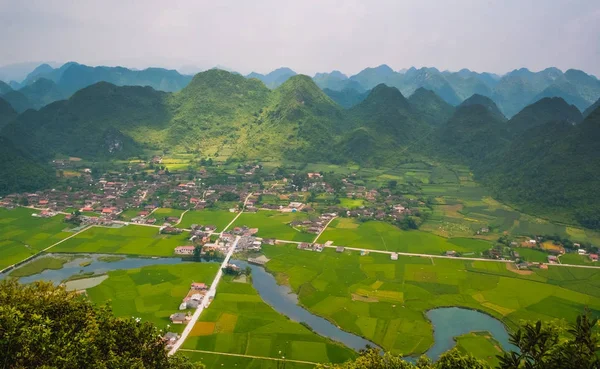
[314, 226]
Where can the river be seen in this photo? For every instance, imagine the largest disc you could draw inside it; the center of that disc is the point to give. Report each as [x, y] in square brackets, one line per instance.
[447, 322]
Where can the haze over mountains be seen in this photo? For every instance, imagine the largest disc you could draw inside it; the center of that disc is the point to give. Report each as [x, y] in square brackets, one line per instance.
[519, 155]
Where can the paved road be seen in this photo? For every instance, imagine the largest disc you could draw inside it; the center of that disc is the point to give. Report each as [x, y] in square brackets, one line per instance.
[323, 230]
[238, 215]
[205, 300]
[251, 356]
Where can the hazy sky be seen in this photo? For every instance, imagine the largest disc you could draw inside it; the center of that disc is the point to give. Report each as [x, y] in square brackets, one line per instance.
[306, 35]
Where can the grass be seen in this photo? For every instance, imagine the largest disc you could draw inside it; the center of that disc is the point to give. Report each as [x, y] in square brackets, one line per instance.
[151, 293]
[481, 345]
[273, 224]
[218, 218]
[532, 255]
[129, 214]
[351, 203]
[127, 240]
[385, 300]
[375, 235]
[22, 235]
[40, 264]
[239, 322]
[576, 259]
[216, 361]
[110, 258]
[163, 213]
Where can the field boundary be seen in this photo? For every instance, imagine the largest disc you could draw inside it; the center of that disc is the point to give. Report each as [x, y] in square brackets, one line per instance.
[251, 356]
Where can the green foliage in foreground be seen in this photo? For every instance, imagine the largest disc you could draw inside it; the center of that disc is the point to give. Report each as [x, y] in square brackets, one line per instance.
[46, 326]
[540, 347]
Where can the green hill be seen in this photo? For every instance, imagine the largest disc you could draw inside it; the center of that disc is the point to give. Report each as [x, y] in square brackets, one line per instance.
[42, 92]
[430, 107]
[486, 102]
[473, 135]
[347, 98]
[275, 78]
[544, 111]
[98, 121]
[17, 100]
[591, 108]
[7, 113]
[4, 88]
[21, 173]
[553, 167]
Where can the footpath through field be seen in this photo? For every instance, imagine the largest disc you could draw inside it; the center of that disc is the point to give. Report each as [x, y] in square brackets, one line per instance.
[205, 300]
[251, 356]
[324, 228]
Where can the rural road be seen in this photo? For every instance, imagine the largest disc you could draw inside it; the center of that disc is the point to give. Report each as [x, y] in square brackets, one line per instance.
[323, 230]
[205, 300]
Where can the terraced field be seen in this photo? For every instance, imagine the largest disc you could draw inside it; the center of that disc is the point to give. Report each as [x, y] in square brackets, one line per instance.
[385, 300]
[239, 322]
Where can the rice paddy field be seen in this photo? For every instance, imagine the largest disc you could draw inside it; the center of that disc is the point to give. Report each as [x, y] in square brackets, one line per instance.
[218, 218]
[22, 235]
[273, 224]
[127, 240]
[239, 322]
[217, 361]
[151, 293]
[375, 235]
[385, 300]
[162, 213]
[480, 345]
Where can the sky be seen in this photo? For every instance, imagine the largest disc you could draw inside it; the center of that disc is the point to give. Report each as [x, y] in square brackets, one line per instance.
[308, 36]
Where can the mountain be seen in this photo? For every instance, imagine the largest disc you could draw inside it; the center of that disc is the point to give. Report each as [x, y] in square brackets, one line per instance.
[19, 172]
[382, 124]
[274, 79]
[431, 79]
[347, 98]
[368, 78]
[591, 108]
[17, 72]
[337, 81]
[72, 77]
[544, 111]
[4, 88]
[42, 92]
[565, 91]
[473, 135]
[99, 121]
[553, 167]
[430, 107]
[7, 113]
[299, 121]
[17, 100]
[485, 102]
[466, 83]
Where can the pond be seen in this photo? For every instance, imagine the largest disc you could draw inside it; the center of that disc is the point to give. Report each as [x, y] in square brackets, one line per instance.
[447, 322]
[96, 267]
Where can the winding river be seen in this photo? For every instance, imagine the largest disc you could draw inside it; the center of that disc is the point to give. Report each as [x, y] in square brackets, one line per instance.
[447, 322]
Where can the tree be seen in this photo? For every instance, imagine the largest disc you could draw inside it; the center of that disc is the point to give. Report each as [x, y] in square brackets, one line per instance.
[248, 271]
[197, 253]
[46, 326]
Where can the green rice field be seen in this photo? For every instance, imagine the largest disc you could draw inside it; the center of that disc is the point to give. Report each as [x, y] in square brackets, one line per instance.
[129, 240]
[151, 293]
[375, 235]
[385, 300]
[22, 235]
[481, 345]
[239, 322]
[218, 218]
[216, 361]
[163, 213]
[273, 224]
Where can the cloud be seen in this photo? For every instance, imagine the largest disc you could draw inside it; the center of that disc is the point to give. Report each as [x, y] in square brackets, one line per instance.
[308, 36]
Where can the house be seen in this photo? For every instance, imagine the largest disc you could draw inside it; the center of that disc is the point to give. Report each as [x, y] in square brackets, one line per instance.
[339, 249]
[314, 175]
[594, 257]
[183, 305]
[170, 338]
[552, 259]
[451, 253]
[581, 251]
[199, 286]
[180, 318]
[532, 242]
[185, 250]
[394, 256]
